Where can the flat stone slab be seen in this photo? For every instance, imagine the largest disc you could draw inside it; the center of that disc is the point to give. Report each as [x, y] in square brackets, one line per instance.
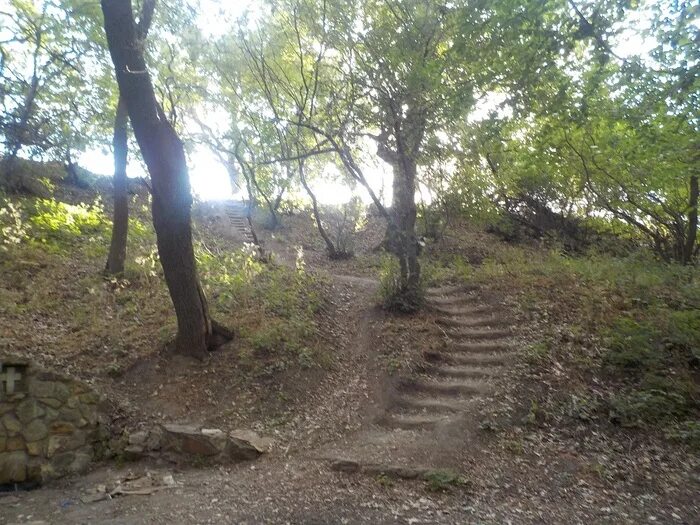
[214, 443]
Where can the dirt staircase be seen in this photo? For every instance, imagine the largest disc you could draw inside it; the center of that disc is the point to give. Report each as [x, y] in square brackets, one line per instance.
[432, 414]
[236, 211]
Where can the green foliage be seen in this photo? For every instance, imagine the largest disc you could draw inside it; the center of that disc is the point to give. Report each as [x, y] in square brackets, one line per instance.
[391, 290]
[535, 353]
[652, 344]
[389, 280]
[632, 345]
[52, 219]
[657, 355]
[13, 227]
[272, 306]
[54, 224]
[634, 322]
[636, 407]
[687, 432]
[443, 481]
[343, 223]
[384, 480]
[432, 222]
[453, 268]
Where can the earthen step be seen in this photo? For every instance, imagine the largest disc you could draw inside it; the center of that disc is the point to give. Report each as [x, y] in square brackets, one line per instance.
[454, 311]
[468, 322]
[471, 358]
[464, 371]
[432, 404]
[448, 290]
[482, 346]
[410, 422]
[455, 387]
[394, 471]
[476, 334]
[461, 299]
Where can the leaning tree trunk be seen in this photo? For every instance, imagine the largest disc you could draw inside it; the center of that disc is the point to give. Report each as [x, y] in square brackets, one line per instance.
[120, 223]
[330, 248]
[120, 220]
[164, 155]
[691, 236]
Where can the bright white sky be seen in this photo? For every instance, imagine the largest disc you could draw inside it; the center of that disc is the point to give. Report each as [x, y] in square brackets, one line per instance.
[209, 177]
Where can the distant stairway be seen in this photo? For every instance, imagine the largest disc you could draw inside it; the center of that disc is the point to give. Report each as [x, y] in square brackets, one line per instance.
[237, 211]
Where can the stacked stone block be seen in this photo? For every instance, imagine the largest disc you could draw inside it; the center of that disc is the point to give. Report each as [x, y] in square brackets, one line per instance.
[50, 425]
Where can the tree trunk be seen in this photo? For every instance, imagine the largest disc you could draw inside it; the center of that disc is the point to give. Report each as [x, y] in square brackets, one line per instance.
[692, 235]
[164, 155]
[72, 172]
[120, 223]
[405, 242]
[330, 248]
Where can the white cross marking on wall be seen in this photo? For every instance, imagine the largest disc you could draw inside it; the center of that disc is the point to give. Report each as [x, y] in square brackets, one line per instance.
[9, 377]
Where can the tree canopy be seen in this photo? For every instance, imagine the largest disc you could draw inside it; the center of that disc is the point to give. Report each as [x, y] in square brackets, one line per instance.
[488, 106]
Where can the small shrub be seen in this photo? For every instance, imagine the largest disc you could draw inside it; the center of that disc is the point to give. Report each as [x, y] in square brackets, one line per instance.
[384, 480]
[391, 290]
[632, 345]
[687, 432]
[453, 269]
[443, 481]
[635, 407]
[432, 222]
[343, 222]
[274, 306]
[536, 353]
[56, 225]
[52, 219]
[14, 229]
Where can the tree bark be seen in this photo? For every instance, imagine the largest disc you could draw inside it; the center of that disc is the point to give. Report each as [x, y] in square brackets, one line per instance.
[164, 155]
[692, 235]
[401, 239]
[330, 248]
[120, 223]
[405, 242]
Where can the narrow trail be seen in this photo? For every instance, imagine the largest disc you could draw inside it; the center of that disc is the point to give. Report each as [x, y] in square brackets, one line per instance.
[423, 420]
[429, 416]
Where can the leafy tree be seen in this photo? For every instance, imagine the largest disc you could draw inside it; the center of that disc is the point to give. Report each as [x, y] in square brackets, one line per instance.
[43, 64]
[620, 143]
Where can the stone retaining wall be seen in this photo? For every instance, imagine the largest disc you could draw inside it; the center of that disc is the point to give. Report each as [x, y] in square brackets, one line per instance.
[50, 425]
